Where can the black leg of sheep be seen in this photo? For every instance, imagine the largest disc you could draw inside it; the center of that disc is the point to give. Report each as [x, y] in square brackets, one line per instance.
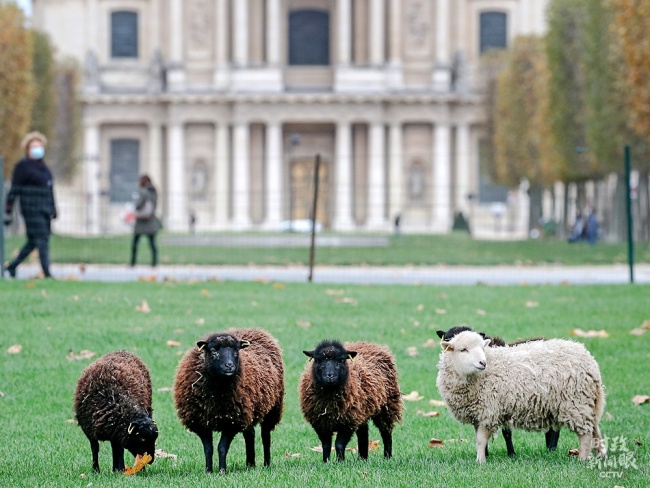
[249, 440]
[118, 456]
[224, 445]
[552, 438]
[326, 443]
[342, 439]
[507, 436]
[94, 448]
[208, 449]
[387, 439]
[266, 443]
[362, 439]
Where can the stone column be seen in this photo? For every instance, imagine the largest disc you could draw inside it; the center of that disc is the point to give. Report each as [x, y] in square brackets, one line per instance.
[176, 202]
[462, 168]
[395, 77]
[274, 174]
[395, 178]
[92, 177]
[273, 35]
[241, 177]
[176, 71]
[441, 178]
[344, 14]
[240, 34]
[154, 164]
[442, 71]
[222, 175]
[376, 30]
[222, 32]
[343, 209]
[92, 17]
[376, 176]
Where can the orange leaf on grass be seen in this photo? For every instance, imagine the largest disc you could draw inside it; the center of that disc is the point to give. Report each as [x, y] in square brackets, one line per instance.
[140, 463]
[573, 452]
[639, 399]
[436, 442]
[414, 396]
[15, 349]
[589, 333]
[143, 307]
[171, 343]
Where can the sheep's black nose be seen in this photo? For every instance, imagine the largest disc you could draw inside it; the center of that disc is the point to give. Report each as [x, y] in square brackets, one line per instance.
[482, 363]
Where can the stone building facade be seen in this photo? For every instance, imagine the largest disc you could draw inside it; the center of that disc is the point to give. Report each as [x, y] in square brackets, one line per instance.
[225, 103]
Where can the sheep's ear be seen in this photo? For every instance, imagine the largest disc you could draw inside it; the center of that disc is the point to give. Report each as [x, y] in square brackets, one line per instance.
[446, 346]
[441, 333]
[201, 345]
[244, 344]
[309, 354]
[482, 334]
[131, 428]
[352, 355]
[486, 342]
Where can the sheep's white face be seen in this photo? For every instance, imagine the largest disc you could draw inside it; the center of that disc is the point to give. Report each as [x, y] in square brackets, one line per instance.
[467, 352]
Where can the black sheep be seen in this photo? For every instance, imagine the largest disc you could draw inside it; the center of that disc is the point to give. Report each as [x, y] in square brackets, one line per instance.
[112, 403]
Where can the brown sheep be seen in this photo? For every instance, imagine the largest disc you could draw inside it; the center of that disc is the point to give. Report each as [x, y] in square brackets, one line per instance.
[230, 382]
[112, 403]
[344, 388]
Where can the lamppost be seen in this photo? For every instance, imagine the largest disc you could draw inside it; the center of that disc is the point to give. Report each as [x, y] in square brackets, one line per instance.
[294, 141]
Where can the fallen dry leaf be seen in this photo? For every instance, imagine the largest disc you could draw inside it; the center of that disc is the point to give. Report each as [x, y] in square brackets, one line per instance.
[646, 324]
[436, 403]
[15, 349]
[200, 321]
[531, 304]
[294, 455]
[278, 285]
[71, 421]
[456, 440]
[162, 454]
[412, 351]
[143, 307]
[573, 452]
[334, 292]
[639, 399]
[172, 343]
[427, 414]
[436, 443]
[261, 279]
[140, 463]
[638, 442]
[83, 354]
[148, 279]
[589, 333]
[414, 396]
[420, 307]
[430, 343]
[480, 312]
[2, 394]
[608, 416]
[373, 445]
[639, 331]
[205, 292]
[441, 311]
[305, 324]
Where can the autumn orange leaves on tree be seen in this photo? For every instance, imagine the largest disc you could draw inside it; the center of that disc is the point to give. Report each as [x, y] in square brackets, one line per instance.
[16, 82]
[632, 27]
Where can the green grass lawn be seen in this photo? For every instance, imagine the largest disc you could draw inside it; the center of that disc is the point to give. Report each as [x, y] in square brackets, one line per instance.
[40, 446]
[453, 249]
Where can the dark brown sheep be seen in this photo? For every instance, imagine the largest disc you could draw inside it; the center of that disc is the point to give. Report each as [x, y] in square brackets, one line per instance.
[113, 403]
[552, 436]
[344, 388]
[230, 382]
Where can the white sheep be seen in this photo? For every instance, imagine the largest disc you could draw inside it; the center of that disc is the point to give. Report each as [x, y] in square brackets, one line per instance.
[534, 386]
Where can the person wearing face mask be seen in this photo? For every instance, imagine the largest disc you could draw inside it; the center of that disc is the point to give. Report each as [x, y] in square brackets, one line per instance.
[32, 185]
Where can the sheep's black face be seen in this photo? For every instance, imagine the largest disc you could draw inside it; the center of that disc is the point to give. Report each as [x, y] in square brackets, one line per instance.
[222, 354]
[141, 437]
[330, 364]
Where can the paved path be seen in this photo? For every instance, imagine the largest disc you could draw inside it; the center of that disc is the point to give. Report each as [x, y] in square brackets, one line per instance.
[427, 275]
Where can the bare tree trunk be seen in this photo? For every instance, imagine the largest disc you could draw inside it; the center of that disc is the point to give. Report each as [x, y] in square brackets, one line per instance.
[565, 212]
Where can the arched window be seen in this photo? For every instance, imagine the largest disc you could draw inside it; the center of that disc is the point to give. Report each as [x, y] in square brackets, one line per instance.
[309, 37]
[125, 169]
[124, 34]
[493, 31]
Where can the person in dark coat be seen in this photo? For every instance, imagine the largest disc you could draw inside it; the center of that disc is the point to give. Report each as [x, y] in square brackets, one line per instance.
[32, 185]
[146, 222]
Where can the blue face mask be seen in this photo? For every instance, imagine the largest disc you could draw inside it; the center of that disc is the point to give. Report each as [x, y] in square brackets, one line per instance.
[37, 152]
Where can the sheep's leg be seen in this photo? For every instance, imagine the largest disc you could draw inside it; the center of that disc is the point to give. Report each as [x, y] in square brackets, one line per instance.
[266, 443]
[249, 440]
[342, 439]
[482, 436]
[208, 449]
[584, 447]
[599, 448]
[94, 448]
[507, 436]
[118, 456]
[326, 443]
[223, 447]
[362, 439]
[387, 439]
[552, 438]
[486, 446]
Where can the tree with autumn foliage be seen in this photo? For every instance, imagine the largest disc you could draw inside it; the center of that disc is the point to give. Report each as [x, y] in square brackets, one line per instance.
[16, 83]
[523, 144]
[44, 69]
